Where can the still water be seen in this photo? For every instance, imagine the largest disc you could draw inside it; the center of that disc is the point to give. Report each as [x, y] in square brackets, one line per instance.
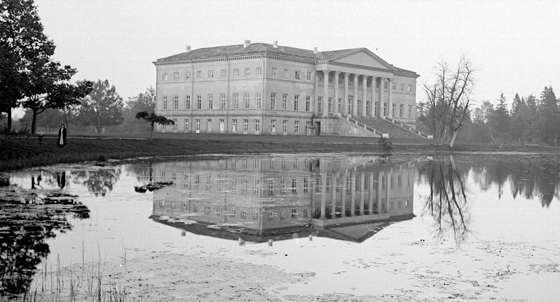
[360, 206]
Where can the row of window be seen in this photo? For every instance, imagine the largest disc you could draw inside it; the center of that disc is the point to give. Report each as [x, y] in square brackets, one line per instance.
[247, 72]
[296, 104]
[241, 125]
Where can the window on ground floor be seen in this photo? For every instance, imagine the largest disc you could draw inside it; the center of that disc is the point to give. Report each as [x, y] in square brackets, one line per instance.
[285, 126]
[234, 125]
[246, 125]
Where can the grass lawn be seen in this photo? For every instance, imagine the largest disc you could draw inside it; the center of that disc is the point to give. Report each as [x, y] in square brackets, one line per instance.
[20, 152]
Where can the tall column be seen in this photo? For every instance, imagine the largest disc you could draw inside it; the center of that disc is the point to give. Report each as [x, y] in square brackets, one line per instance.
[345, 101]
[362, 192]
[315, 98]
[364, 95]
[335, 101]
[381, 104]
[353, 194]
[390, 98]
[379, 188]
[388, 190]
[372, 106]
[325, 93]
[344, 178]
[355, 98]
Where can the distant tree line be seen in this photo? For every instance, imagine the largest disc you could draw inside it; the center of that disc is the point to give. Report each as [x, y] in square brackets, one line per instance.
[530, 120]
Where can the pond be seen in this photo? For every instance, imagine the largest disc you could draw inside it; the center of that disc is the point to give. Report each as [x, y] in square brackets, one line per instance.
[287, 227]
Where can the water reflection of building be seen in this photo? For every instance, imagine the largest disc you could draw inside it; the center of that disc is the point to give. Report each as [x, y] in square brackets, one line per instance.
[348, 198]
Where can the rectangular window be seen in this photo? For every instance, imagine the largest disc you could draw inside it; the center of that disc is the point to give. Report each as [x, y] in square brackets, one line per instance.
[393, 109]
[187, 124]
[208, 125]
[402, 87]
[176, 102]
[308, 76]
[296, 102]
[257, 125]
[236, 72]
[296, 126]
[210, 73]
[247, 72]
[188, 102]
[258, 97]
[210, 101]
[176, 76]
[223, 73]
[246, 100]
[329, 104]
[385, 108]
[165, 77]
[255, 216]
[273, 100]
[401, 110]
[258, 71]
[187, 75]
[243, 214]
[222, 101]
[236, 100]
[286, 73]
[272, 127]
[164, 102]
[197, 125]
[245, 125]
[274, 72]
[285, 126]
[294, 212]
[320, 104]
[409, 88]
[285, 101]
[305, 185]
[234, 125]
[199, 74]
[298, 74]
[307, 103]
[198, 101]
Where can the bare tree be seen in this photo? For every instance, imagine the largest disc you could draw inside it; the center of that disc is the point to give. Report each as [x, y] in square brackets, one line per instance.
[448, 100]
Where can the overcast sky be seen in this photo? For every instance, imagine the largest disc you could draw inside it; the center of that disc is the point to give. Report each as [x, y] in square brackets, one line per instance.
[514, 45]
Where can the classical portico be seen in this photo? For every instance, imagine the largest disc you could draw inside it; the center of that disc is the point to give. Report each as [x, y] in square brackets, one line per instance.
[361, 94]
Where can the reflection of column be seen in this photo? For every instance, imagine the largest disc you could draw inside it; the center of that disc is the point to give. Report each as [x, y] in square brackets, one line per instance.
[353, 194]
[370, 195]
[362, 192]
[345, 177]
[388, 191]
[364, 95]
[333, 195]
[312, 188]
[316, 98]
[335, 101]
[378, 193]
[355, 98]
[345, 101]
[323, 194]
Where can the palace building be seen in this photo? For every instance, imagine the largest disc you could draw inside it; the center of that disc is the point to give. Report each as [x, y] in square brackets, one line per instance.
[258, 88]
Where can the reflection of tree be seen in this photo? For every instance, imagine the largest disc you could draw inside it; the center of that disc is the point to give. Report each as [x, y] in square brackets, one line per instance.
[98, 182]
[447, 201]
[24, 230]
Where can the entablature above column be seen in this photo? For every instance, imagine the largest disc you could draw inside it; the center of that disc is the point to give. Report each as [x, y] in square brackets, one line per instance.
[355, 69]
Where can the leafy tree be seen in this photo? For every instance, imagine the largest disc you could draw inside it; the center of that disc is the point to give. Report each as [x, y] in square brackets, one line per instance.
[448, 100]
[153, 118]
[501, 119]
[22, 42]
[101, 107]
[142, 102]
[533, 117]
[520, 118]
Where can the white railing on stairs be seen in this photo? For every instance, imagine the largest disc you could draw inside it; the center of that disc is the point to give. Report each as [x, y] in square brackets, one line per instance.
[408, 128]
[369, 128]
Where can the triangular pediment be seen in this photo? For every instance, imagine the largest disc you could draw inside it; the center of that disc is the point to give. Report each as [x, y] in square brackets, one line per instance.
[364, 58]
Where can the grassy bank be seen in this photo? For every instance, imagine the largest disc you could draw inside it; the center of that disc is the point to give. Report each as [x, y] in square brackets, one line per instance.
[18, 152]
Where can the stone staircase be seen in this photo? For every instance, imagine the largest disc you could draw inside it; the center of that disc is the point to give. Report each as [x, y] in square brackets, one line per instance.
[389, 126]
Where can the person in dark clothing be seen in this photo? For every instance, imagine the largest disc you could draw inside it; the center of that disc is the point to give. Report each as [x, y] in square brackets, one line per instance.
[61, 142]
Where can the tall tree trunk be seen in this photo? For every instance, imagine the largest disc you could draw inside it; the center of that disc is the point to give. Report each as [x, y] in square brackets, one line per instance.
[9, 122]
[452, 142]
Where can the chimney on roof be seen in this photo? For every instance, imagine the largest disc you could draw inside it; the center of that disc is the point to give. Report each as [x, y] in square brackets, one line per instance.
[188, 48]
[247, 43]
[275, 44]
[315, 50]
